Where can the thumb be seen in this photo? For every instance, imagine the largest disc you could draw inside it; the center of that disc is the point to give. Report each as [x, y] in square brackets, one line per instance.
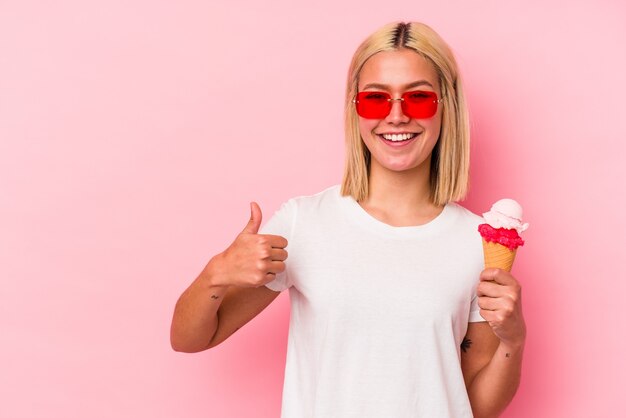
[255, 219]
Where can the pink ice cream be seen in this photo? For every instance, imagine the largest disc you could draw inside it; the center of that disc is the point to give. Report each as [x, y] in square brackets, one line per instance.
[504, 224]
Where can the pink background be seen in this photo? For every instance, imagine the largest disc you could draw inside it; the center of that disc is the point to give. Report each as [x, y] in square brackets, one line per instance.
[134, 134]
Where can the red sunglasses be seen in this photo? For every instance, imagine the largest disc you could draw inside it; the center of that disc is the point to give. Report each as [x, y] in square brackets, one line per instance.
[416, 104]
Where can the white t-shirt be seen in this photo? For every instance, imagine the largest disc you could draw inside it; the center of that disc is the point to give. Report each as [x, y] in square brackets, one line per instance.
[378, 312]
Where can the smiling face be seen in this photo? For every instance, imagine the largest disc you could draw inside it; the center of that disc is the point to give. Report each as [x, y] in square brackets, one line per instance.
[399, 142]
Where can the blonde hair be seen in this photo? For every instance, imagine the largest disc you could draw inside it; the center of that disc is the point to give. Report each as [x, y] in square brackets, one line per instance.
[449, 170]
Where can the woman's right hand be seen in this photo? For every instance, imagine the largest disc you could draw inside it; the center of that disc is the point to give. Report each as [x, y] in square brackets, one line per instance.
[252, 260]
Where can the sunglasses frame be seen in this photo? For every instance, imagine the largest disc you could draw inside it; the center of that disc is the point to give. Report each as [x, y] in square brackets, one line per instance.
[402, 102]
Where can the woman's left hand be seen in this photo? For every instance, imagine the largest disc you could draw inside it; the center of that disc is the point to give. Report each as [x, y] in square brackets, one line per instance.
[500, 302]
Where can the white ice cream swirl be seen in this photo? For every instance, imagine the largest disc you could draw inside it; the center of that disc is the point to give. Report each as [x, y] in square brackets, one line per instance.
[506, 213]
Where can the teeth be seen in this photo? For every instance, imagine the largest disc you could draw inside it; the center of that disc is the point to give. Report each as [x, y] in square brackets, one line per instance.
[398, 137]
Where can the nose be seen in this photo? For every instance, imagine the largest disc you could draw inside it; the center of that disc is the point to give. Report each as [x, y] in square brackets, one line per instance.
[396, 115]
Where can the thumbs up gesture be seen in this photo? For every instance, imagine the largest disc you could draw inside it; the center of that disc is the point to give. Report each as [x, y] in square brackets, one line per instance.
[252, 259]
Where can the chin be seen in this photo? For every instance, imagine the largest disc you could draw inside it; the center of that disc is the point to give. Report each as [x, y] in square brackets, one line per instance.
[400, 167]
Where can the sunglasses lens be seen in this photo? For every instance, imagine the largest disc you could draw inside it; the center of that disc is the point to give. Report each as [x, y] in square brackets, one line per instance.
[373, 105]
[420, 104]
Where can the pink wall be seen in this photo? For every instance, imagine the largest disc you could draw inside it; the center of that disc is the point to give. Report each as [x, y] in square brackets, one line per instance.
[129, 153]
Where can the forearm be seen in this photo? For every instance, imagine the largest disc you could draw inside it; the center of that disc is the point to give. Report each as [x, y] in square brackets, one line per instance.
[495, 385]
[195, 317]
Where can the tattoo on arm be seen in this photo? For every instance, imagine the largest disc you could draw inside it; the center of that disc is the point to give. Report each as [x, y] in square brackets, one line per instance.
[467, 343]
[214, 297]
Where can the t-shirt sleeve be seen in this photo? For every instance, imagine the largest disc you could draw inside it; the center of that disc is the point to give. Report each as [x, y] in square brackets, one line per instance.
[281, 223]
[475, 315]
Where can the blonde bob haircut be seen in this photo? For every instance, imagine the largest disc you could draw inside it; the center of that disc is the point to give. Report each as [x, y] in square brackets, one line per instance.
[449, 166]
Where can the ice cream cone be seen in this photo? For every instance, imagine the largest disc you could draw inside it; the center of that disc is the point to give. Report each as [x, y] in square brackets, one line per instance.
[498, 256]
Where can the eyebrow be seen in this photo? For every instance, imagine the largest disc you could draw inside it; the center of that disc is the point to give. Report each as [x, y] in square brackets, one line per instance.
[408, 86]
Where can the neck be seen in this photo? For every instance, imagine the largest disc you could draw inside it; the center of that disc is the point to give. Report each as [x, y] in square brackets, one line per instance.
[401, 197]
[399, 189]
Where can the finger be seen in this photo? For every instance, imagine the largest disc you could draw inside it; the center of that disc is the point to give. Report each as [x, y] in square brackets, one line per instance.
[252, 227]
[276, 241]
[490, 304]
[489, 316]
[276, 267]
[508, 301]
[278, 254]
[497, 275]
[491, 289]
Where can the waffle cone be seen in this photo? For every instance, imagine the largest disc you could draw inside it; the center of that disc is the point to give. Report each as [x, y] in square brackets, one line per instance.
[498, 256]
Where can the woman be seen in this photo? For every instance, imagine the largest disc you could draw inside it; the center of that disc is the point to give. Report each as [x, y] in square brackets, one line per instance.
[391, 313]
